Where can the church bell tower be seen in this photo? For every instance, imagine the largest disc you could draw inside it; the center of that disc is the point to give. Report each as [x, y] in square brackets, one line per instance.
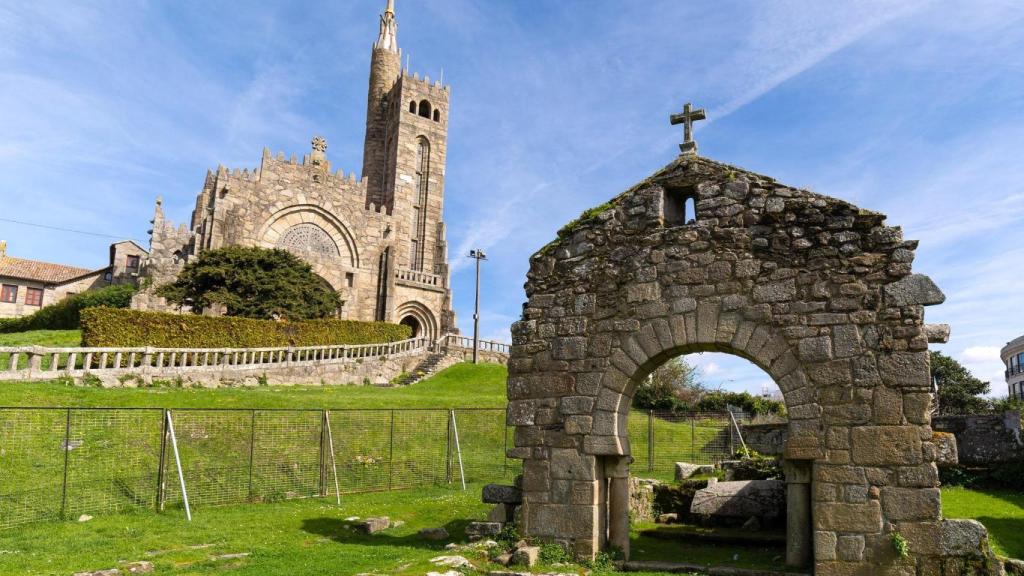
[404, 159]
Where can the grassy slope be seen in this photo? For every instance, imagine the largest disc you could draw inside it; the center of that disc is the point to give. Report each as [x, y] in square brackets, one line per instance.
[61, 338]
[462, 385]
[1001, 511]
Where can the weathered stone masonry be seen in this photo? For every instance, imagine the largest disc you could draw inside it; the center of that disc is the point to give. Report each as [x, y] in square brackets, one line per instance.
[813, 290]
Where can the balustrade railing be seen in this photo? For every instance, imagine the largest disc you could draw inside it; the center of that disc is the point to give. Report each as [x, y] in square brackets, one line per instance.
[417, 277]
[27, 361]
[483, 345]
[21, 362]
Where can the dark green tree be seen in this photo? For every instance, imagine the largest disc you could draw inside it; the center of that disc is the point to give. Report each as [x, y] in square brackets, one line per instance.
[254, 283]
[959, 391]
[673, 385]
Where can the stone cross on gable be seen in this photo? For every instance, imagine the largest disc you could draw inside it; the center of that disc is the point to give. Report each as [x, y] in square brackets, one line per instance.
[687, 118]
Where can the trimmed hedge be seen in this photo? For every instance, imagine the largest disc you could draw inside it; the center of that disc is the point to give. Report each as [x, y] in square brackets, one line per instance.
[113, 327]
[65, 315]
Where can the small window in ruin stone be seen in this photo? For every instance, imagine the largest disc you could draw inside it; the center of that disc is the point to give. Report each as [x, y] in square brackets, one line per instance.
[424, 108]
[349, 279]
[678, 207]
[437, 115]
[412, 106]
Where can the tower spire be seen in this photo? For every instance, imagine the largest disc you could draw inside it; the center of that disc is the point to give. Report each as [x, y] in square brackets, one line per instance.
[388, 37]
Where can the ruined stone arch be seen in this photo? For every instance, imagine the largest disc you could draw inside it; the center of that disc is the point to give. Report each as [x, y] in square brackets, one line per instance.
[278, 226]
[422, 316]
[815, 291]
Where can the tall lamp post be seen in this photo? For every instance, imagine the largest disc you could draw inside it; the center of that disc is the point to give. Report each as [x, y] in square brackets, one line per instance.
[477, 255]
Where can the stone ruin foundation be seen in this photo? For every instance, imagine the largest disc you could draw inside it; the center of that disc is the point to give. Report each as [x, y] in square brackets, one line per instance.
[815, 291]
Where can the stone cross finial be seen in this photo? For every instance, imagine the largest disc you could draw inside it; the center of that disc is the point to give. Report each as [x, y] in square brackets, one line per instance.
[687, 118]
[319, 144]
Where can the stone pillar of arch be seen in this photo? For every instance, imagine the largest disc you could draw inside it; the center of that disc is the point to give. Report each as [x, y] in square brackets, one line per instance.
[813, 290]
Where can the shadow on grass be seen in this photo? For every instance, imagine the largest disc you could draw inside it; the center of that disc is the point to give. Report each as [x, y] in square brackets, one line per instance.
[1008, 533]
[345, 532]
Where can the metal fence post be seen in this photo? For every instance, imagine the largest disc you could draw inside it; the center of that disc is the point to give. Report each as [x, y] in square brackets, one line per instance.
[448, 452]
[67, 451]
[693, 439]
[161, 466]
[650, 441]
[252, 449]
[323, 460]
[391, 451]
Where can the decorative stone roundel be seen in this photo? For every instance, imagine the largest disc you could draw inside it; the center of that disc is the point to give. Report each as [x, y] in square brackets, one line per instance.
[308, 238]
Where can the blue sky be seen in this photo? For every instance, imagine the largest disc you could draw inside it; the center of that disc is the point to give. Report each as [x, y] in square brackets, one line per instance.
[911, 108]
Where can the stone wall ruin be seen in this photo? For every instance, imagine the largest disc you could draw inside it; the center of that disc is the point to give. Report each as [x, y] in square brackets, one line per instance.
[813, 290]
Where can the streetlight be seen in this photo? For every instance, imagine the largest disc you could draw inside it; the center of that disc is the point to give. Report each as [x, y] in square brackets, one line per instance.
[477, 255]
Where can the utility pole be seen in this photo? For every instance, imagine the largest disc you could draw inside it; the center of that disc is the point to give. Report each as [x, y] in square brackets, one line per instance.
[477, 255]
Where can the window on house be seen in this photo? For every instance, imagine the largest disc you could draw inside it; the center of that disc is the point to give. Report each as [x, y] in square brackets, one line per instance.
[133, 262]
[9, 294]
[424, 108]
[34, 296]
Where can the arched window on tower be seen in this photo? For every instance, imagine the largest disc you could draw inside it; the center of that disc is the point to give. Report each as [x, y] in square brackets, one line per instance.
[419, 209]
[412, 106]
[425, 109]
[437, 114]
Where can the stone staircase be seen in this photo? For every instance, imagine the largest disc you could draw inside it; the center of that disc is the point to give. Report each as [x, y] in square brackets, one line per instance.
[433, 363]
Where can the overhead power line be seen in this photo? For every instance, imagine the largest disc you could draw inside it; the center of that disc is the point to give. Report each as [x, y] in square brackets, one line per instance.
[69, 230]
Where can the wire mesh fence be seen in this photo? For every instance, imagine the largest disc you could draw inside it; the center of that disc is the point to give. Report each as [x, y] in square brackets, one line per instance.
[63, 462]
[659, 439]
[58, 463]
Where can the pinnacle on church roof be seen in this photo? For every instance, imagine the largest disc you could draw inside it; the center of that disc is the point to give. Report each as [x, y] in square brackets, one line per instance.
[388, 37]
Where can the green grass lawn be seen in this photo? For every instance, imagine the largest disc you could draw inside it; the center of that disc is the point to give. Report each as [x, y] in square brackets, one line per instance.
[1001, 511]
[463, 386]
[53, 338]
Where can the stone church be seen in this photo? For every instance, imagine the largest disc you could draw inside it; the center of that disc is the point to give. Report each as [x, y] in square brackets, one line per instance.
[378, 241]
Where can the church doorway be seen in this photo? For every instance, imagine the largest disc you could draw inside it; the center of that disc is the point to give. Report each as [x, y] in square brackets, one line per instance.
[706, 431]
[413, 323]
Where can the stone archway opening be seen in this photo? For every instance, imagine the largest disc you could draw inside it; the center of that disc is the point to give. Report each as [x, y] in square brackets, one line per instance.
[413, 324]
[697, 488]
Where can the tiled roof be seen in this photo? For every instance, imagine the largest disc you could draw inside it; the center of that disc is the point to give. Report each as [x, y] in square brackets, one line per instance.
[39, 271]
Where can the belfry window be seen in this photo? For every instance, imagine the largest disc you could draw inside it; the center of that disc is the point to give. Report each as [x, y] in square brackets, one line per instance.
[425, 109]
[679, 206]
[412, 106]
[437, 115]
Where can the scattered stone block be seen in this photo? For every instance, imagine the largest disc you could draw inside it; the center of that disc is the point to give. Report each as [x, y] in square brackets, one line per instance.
[764, 499]
[84, 518]
[685, 470]
[139, 567]
[526, 556]
[433, 533]
[670, 518]
[372, 525]
[233, 556]
[504, 559]
[501, 494]
[500, 513]
[451, 561]
[477, 530]
[107, 572]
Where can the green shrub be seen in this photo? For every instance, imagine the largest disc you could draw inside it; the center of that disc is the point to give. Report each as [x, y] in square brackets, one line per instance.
[1006, 476]
[754, 466]
[112, 327]
[65, 315]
